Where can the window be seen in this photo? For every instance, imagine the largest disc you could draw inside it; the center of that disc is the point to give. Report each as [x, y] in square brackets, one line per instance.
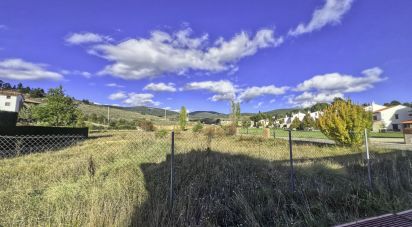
[7, 104]
[396, 116]
[375, 118]
[8, 97]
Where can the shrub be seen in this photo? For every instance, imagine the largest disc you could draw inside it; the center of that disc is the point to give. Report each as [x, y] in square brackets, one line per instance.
[197, 128]
[230, 130]
[345, 123]
[213, 131]
[146, 125]
[162, 133]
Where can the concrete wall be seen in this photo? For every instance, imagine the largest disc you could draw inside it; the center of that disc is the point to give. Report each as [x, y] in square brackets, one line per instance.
[408, 135]
[10, 103]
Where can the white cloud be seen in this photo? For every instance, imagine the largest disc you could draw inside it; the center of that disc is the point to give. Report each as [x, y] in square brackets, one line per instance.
[114, 85]
[179, 52]
[77, 72]
[134, 99]
[258, 105]
[18, 69]
[118, 95]
[337, 82]
[330, 13]
[3, 27]
[87, 37]
[253, 92]
[272, 101]
[307, 99]
[170, 87]
[224, 89]
[144, 99]
[324, 88]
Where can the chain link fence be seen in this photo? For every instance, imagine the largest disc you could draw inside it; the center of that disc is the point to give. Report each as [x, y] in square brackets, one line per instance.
[190, 178]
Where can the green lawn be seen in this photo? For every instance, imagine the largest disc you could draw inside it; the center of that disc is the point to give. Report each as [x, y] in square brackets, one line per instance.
[314, 134]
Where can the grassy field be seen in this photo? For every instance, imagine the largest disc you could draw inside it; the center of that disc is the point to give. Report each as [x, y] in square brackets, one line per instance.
[117, 114]
[314, 134]
[121, 179]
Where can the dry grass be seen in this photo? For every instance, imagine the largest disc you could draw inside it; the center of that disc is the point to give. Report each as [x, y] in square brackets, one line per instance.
[121, 179]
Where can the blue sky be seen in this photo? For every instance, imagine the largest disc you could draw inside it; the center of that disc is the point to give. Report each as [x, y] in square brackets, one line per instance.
[267, 55]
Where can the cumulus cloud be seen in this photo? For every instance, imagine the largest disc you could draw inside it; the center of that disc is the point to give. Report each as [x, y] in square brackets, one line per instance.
[337, 82]
[179, 52]
[330, 13]
[114, 85]
[145, 99]
[18, 69]
[134, 99]
[158, 87]
[118, 95]
[307, 99]
[324, 88]
[86, 37]
[253, 92]
[223, 89]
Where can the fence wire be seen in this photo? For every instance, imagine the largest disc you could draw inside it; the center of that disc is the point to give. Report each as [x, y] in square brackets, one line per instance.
[123, 178]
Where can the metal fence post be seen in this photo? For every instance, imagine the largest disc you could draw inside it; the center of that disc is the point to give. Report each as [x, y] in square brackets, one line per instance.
[172, 156]
[292, 172]
[368, 159]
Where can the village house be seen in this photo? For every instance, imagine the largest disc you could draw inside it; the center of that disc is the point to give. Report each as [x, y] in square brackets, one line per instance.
[11, 101]
[392, 118]
[289, 119]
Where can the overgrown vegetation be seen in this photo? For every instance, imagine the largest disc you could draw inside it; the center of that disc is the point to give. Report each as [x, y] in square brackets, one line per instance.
[121, 179]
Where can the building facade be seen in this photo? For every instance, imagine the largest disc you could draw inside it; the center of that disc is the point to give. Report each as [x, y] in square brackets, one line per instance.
[391, 118]
[11, 101]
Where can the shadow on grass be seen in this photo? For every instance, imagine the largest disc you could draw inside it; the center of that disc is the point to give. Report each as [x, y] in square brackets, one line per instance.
[220, 189]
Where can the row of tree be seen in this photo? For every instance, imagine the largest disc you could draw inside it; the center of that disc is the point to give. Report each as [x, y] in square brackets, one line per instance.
[33, 92]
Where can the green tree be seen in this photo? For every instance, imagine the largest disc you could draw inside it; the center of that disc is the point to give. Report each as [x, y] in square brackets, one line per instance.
[235, 112]
[319, 107]
[296, 124]
[59, 110]
[308, 121]
[246, 125]
[393, 103]
[345, 122]
[183, 118]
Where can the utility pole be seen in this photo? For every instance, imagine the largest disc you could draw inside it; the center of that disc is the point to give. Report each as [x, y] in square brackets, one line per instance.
[165, 115]
[108, 115]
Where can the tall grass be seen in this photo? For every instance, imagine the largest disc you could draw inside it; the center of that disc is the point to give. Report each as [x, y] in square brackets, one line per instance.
[122, 178]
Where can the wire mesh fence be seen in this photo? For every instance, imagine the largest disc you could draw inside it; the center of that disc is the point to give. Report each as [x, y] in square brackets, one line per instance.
[133, 178]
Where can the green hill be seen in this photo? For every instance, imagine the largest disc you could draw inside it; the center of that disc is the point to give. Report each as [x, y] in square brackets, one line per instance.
[206, 114]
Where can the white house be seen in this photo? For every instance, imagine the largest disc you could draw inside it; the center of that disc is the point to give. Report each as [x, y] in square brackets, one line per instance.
[374, 107]
[11, 101]
[288, 120]
[391, 118]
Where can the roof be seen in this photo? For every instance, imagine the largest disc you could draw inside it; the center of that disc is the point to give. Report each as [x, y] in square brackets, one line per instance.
[407, 122]
[32, 101]
[9, 93]
[383, 109]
